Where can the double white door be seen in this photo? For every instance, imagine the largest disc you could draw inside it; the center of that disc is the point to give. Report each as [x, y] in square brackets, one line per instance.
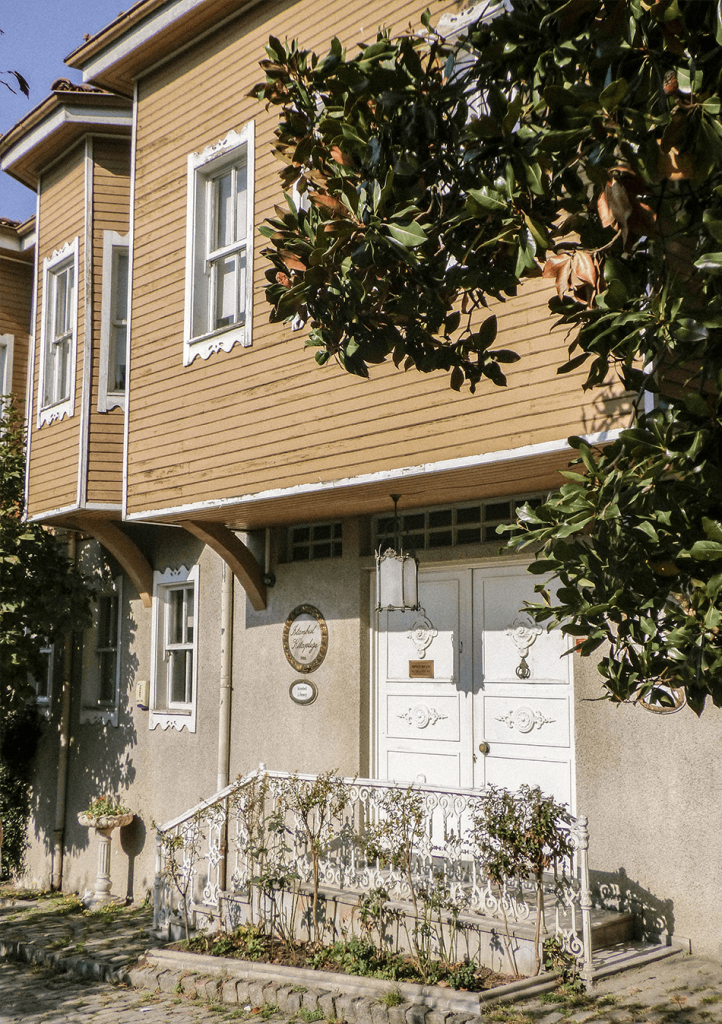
[469, 691]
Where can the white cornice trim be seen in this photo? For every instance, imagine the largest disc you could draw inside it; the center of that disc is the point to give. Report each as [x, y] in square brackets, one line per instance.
[89, 116]
[467, 462]
[155, 23]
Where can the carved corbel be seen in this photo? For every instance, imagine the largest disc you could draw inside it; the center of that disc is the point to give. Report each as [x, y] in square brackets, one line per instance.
[125, 551]
[235, 554]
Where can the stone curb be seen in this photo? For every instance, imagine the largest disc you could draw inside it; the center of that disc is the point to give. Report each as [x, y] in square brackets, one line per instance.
[83, 968]
[356, 999]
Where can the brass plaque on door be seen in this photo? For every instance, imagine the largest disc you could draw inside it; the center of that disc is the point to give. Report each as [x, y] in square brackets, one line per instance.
[421, 670]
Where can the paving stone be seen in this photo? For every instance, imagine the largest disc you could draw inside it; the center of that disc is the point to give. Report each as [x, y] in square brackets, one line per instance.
[169, 981]
[327, 1005]
[188, 983]
[229, 992]
[209, 988]
[242, 993]
[416, 1014]
[437, 1016]
[309, 1000]
[364, 1011]
[379, 1013]
[551, 1018]
[255, 993]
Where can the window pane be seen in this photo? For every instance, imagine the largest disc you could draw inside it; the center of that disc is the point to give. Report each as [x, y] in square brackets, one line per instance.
[175, 617]
[241, 194]
[4, 386]
[224, 211]
[118, 335]
[241, 297]
[62, 370]
[177, 676]
[189, 616]
[106, 683]
[225, 313]
[120, 285]
[471, 514]
[105, 617]
[61, 308]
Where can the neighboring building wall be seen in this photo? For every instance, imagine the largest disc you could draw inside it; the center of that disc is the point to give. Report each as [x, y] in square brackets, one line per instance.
[651, 785]
[55, 447]
[16, 286]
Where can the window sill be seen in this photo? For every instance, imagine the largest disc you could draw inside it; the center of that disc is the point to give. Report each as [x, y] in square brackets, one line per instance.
[55, 413]
[222, 340]
[98, 715]
[173, 719]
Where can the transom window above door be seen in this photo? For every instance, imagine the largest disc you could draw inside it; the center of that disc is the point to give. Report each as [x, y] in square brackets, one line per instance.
[451, 525]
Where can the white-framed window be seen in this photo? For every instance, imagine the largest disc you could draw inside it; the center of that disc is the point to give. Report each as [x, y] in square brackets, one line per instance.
[114, 322]
[7, 345]
[101, 658]
[59, 331]
[174, 663]
[43, 685]
[219, 250]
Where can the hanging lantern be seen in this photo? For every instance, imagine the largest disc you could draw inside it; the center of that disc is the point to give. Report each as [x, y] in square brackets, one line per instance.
[397, 576]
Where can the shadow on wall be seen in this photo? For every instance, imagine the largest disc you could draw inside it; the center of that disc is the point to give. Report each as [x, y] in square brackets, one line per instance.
[654, 917]
[100, 762]
[610, 410]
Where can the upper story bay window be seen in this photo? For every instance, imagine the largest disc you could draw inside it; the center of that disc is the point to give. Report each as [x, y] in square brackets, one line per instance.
[59, 329]
[219, 265]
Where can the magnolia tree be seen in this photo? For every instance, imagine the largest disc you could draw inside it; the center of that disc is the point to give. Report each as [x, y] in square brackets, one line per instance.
[580, 141]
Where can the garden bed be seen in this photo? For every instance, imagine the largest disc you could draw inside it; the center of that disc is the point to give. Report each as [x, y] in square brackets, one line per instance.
[355, 957]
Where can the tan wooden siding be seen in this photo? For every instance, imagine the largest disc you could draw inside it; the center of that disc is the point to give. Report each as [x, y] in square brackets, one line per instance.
[111, 212]
[267, 417]
[16, 287]
[55, 447]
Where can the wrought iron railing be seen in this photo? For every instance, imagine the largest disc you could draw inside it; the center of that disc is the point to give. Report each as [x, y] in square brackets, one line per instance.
[251, 835]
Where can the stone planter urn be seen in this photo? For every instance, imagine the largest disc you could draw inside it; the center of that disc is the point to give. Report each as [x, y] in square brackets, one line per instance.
[103, 825]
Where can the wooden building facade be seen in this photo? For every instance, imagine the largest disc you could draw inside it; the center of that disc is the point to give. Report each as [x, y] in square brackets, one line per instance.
[217, 480]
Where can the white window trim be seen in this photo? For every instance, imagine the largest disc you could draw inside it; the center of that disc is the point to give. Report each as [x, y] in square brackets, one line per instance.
[92, 710]
[108, 400]
[171, 717]
[7, 341]
[50, 413]
[200, 166]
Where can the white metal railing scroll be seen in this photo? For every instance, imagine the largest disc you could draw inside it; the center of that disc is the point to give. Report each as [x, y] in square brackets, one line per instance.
[247, 832]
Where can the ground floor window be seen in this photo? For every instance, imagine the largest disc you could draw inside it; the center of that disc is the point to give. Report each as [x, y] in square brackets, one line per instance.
[175, 648]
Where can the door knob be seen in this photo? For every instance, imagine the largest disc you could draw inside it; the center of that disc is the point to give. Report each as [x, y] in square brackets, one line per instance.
[483, 747]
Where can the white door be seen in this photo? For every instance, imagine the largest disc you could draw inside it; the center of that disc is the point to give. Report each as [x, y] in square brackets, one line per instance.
[469, 691]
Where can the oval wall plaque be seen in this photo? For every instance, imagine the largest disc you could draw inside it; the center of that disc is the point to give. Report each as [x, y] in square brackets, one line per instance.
[303, 691]
[305, 638]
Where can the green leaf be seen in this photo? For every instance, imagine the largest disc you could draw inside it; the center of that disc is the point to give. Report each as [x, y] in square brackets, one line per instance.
[489, 198]
[614, 93]
[410, 235]
[711, 261]
[712, 529]
[705, 550]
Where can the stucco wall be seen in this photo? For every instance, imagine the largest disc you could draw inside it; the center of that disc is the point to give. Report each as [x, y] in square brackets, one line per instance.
[161, 773]
[651, 786]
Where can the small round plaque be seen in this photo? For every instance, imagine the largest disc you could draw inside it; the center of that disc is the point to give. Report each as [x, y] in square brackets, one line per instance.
[303, 691]
[305, 638]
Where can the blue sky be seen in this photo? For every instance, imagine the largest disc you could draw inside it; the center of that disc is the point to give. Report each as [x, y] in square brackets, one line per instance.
[38, 34]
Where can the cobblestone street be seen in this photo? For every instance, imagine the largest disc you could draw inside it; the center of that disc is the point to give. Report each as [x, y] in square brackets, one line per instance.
[680, 990]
